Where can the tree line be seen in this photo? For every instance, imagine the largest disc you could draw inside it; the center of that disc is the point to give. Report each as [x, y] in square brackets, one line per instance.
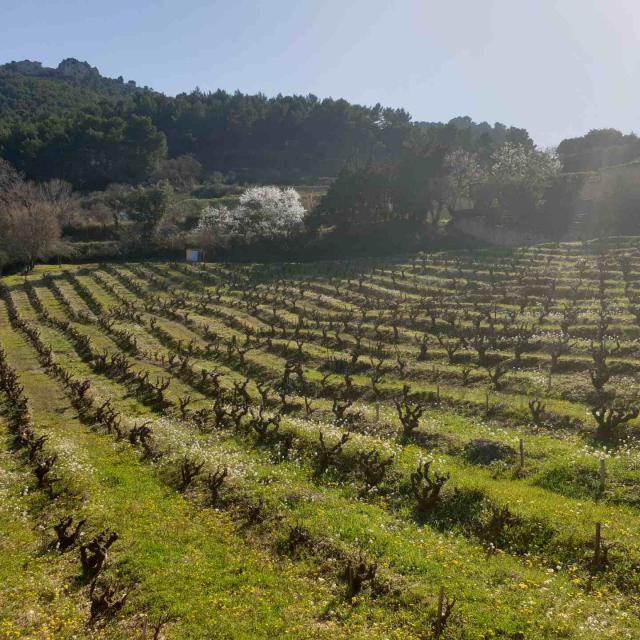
[72, 124]
[119, 157]
[514, 186]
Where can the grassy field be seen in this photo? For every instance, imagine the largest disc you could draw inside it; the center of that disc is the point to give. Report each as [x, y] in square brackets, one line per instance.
[435, 446]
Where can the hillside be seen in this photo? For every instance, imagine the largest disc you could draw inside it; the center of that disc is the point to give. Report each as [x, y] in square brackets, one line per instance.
[407, 449]
[49, 116]
[598, 149]
[30, 91]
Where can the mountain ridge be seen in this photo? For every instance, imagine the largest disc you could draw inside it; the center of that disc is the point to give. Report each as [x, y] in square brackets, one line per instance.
[30, 91]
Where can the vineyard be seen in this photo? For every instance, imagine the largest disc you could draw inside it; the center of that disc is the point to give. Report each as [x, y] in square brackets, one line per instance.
[441, 446]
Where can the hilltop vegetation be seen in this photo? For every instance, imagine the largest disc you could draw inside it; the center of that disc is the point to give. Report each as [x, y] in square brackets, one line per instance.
[316, 451]
[598, 149]
[29, 91]
[54, 118]
[279, 139]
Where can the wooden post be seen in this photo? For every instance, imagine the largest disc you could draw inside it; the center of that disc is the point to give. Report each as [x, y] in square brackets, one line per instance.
[597, 547]
[378, 411]
[603, 475]
[521, 444]
[486, 402]
[440, 603]
[438, 393]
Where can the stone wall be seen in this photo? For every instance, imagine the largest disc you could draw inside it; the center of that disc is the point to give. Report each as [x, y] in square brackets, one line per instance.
[499, 236]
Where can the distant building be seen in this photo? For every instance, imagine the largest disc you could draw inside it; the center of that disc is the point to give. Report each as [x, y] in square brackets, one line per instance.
[195, 255]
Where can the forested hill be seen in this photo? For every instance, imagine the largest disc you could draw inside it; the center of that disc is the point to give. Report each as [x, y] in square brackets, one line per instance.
[72, 123]
[29, 91]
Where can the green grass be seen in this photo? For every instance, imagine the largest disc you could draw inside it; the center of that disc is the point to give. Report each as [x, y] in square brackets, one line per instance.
[219, 573]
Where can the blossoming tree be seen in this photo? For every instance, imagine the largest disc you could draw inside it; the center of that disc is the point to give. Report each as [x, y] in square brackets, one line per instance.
[263, 212]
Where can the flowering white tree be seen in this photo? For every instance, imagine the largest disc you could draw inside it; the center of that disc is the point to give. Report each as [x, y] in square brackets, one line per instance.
[263, 212]
[515, 166]
[516, 183]
[269, 212]
[217, 221]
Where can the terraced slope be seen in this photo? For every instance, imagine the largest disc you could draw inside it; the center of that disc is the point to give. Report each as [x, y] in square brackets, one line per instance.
[418, 448]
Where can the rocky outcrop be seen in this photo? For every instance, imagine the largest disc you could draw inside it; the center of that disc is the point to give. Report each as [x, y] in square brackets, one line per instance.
[72, 68]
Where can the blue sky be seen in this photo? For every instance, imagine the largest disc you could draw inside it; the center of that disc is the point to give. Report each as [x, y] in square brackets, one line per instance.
[558, 68]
